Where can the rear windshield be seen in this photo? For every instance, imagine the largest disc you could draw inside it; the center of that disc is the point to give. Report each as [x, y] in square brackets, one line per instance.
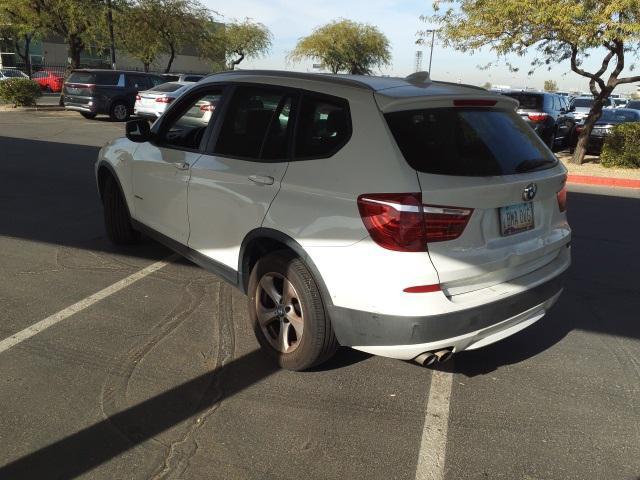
[97, 78]
[167, 87]
[468, 142]
[582, 103]
[527, 101]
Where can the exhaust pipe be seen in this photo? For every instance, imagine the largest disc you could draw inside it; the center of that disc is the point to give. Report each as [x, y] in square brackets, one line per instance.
[428, 359]
[443, 355]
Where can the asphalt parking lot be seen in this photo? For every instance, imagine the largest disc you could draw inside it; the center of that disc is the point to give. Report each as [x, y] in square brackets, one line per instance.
[162, 378]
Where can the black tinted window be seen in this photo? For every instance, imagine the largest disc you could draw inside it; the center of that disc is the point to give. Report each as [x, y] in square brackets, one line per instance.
[192, 78]
[616, 115]
[249, 116]
[468, 142]
[583, 102]
[139, 82]
[527, 101]
[187, 129]
[635, 104]
[324, 126]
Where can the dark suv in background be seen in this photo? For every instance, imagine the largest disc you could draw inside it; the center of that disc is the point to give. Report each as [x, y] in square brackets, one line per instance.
[110, 92]
[548, 114]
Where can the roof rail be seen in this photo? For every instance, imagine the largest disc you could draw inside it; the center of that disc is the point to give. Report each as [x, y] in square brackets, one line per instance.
[319, 77]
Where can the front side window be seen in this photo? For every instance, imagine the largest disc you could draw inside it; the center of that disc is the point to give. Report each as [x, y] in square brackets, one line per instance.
[324, 126]
[186, 131]
[468, 142]
[252, 113]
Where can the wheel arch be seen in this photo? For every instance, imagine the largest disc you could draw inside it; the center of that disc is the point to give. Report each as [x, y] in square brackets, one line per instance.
[103, 170]
[262, 241]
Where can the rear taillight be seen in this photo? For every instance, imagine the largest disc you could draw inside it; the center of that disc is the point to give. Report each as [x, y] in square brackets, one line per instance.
[400, 222]
[537, 116]
[138, 98]
[445, 223]
[164, 100]
[207, 107]
[562, 199]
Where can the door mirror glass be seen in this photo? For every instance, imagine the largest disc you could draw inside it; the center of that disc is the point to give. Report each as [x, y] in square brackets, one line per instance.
[138, 130]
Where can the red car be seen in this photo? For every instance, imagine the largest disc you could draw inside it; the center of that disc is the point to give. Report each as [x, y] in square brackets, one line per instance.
[48, 80]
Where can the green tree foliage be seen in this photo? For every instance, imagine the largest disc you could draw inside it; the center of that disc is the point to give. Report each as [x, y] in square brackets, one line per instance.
[550, 86]
[236, 41]
[20, 91]
[136, 35]
[173, 24]
[345, 46]
[18, 23]
[557, 31]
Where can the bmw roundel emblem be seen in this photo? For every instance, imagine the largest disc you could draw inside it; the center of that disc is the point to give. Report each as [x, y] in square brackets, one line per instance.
[529, 192]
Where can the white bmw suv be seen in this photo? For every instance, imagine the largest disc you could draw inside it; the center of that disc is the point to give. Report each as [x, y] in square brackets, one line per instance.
[407, 218]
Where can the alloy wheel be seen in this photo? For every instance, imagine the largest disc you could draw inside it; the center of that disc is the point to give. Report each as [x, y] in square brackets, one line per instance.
[279, 312]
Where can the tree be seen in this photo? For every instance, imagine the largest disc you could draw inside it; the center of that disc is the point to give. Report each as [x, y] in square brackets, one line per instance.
[550, 86]
[174, 24]
[344, 45]
[136, 35]
[18, 23]
[239, 40]
[558, 31]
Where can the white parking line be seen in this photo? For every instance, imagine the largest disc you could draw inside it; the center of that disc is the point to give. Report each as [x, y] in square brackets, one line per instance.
[36, 328]
[434, 432]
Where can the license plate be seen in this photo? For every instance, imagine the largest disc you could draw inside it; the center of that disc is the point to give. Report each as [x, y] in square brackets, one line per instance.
[516, 218]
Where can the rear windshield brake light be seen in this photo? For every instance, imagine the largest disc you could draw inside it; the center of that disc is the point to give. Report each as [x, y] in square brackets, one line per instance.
[474, 103]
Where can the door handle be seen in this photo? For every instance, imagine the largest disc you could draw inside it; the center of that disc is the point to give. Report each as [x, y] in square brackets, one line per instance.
[261, 179]
[181, 165]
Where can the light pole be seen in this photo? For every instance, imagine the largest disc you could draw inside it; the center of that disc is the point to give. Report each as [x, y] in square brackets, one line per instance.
[433, 38]
[113, 43]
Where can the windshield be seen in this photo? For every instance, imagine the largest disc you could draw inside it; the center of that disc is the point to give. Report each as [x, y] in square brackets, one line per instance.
[468, 142]
[168, 87]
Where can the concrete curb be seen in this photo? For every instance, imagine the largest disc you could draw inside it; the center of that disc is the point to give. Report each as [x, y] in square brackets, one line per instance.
[37, 108]
[604, 181]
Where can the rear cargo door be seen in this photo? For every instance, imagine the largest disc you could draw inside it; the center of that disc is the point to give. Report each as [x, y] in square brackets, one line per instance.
[489, 186]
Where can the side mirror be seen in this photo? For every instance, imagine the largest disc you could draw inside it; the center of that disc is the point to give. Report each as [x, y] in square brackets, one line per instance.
[138, 131]
[572, 108]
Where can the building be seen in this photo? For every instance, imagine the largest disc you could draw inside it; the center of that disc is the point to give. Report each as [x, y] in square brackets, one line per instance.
[51, 52]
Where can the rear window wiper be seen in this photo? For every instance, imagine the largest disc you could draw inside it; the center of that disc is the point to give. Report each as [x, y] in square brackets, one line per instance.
[529, 165]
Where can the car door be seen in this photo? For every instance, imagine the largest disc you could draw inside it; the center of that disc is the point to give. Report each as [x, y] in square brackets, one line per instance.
[233, 185]
[161, 169]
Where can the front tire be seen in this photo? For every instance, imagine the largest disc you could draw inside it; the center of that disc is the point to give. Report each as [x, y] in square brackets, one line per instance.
[287, 313]
[117, 221]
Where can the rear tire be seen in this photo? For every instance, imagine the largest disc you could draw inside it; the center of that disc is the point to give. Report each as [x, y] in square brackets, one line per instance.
[294, 328]
[119, 111]
[88, 116]
[117, 221]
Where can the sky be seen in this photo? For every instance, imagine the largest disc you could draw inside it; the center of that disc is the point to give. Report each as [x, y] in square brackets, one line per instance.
[289, 20]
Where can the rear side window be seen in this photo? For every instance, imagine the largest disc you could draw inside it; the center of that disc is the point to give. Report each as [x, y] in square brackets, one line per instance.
[528, 101]
[324, 126]
[468, 142]
[251, 114]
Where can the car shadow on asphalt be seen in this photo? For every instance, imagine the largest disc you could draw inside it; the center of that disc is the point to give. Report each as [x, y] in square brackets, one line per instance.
[86, 449]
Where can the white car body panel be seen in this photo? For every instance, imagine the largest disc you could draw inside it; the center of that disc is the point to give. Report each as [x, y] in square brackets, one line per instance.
[225, 204]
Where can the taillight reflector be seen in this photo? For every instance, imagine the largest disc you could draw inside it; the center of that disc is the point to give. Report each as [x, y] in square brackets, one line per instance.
[138, 98]
[207, 108]
[164, 100]
[537, 116]
[562, 199]
[400, 222]
[474, 103]
[423, 289]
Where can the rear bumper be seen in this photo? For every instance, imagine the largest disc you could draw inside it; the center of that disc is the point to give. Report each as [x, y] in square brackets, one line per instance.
[407, 337]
